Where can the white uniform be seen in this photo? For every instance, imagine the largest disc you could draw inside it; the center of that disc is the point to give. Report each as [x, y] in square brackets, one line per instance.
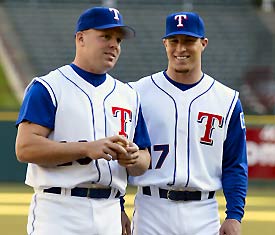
[187, 130]
[86, 113]
[83, 113]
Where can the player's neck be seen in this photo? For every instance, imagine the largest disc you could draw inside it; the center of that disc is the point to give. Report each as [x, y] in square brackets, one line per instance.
[87, 66]
[190, 77]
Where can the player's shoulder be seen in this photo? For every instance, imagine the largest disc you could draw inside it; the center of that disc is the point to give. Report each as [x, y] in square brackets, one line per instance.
[52, 76]
[51, 81]
[145, 81]
[220, 86]
[123, 86]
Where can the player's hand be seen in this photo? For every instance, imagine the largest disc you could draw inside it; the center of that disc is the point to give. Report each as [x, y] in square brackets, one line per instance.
[108, 148]
[230, 227]
[129, 158]
[125, 223]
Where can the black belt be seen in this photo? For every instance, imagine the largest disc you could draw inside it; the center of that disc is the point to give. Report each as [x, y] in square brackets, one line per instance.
[85, 192]
[178, 195]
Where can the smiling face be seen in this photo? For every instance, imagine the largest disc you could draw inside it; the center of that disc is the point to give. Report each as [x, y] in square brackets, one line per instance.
[97, 51]
[184, 57]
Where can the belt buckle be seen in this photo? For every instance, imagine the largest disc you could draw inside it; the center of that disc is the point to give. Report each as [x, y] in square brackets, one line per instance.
[182, 197]
[168, 194]
[173, 198]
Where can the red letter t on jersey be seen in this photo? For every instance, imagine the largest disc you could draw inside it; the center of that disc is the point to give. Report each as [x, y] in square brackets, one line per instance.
[209, 127]
[123, 117]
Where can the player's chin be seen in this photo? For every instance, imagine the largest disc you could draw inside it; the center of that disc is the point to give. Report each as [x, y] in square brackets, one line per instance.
[109, 65]
[182, 70]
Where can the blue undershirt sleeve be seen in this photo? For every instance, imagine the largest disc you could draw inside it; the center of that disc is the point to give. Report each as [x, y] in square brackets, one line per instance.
[141, 137]
[37, 107]
[234, 167]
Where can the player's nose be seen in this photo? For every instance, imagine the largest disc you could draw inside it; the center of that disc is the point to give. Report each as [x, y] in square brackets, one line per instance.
[181, 47]
[113, 42]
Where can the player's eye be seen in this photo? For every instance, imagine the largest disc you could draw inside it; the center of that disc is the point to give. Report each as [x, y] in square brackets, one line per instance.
[191, 39]
[107, 36]
[173, 40]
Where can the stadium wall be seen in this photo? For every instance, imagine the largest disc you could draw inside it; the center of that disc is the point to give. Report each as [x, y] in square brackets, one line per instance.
[260, 147]
[10, 169]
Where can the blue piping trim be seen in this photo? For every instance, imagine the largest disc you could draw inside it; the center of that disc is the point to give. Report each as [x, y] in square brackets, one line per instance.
[86, 95]
[188, 137]
[98, 169]
[92, 109]
[176, 124]
[33, 212]
[110, 170]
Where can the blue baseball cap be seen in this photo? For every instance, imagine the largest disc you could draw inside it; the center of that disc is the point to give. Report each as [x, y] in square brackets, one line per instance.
[185, 23]
[103, 18]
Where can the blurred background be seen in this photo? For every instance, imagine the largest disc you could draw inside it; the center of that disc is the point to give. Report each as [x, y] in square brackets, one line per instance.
[37, 36]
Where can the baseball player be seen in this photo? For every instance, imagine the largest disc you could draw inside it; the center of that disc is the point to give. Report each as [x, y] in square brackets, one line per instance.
[197, 131]
[82, 132]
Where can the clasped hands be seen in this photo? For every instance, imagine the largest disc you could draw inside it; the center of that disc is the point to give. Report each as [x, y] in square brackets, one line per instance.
[118, 148]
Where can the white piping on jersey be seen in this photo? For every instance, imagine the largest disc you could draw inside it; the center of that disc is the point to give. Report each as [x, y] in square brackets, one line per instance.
[50, 90]
[235, 94]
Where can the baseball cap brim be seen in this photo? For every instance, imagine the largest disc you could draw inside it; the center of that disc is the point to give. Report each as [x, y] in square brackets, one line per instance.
[127, 31]
[182, 33]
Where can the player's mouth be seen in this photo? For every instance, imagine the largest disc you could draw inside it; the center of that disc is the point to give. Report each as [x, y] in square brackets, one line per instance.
[110, 55]
[182, 58]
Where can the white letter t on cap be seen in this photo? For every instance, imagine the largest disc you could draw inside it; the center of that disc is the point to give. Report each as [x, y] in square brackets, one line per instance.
[116, 13]
[179, 19]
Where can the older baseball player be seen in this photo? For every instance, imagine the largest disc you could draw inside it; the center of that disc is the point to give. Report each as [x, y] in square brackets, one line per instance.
[82, 132]
[197, 131]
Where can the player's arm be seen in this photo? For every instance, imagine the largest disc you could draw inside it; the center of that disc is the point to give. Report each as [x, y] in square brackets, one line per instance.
[235, 171]
[33, 146]
[136, 161]
[230, 226]
[125, 221]
[36, 121]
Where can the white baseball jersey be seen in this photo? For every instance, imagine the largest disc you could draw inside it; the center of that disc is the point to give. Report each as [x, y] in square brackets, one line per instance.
[187, 130]
[86, 113]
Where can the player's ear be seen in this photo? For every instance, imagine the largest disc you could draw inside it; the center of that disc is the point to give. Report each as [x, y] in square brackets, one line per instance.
[164, 41]
[79, 37]
[204, 42]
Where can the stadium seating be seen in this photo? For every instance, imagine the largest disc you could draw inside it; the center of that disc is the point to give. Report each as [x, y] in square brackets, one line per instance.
[46, 31]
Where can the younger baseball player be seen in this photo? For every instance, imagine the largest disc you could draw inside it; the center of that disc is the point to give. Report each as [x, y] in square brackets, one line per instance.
[82, 132]
[197, 131]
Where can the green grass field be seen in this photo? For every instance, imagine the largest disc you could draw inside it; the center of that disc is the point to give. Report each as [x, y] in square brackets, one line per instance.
[8, 100]
[259, 216]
